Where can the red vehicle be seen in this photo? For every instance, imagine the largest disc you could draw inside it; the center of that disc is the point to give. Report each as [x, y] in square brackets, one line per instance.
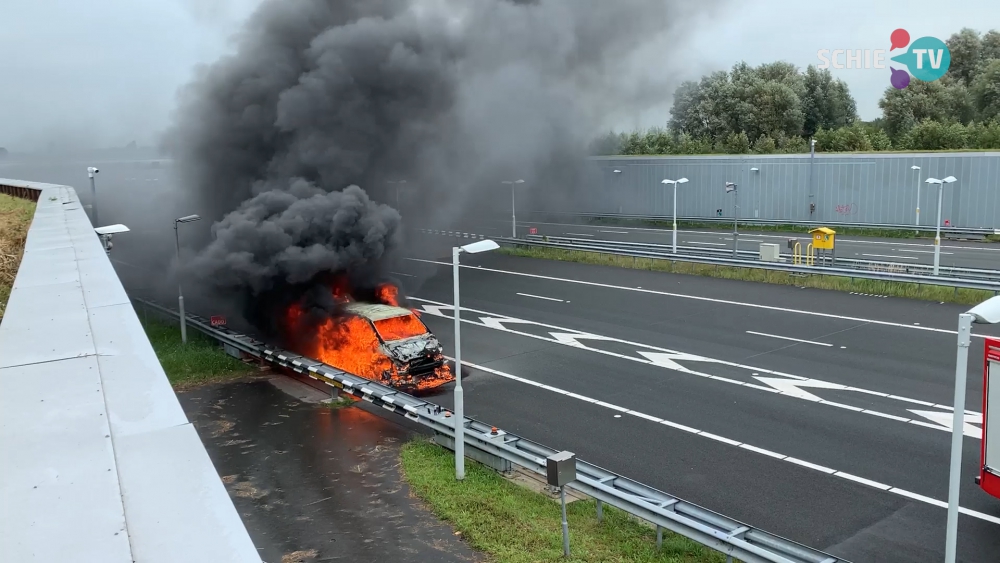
[989, 467]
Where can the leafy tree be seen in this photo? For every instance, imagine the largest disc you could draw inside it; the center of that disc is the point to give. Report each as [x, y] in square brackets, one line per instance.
[990, 48]
[966, 54]
[985, 91]
[844, 139]
[826, 102]
[935, 135]
[984, 135]
[943, 100]
[736, 143]
[765, 145]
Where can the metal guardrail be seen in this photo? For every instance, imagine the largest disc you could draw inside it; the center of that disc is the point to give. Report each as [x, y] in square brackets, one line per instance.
[604, 248]
[873, 265]
[981, 231]
[718, 532]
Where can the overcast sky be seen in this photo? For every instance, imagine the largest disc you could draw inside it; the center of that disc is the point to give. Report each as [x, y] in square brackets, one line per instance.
[105, 72]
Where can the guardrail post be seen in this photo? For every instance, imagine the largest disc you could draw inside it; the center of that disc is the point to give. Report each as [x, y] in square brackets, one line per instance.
[659, 537]
[600, 511]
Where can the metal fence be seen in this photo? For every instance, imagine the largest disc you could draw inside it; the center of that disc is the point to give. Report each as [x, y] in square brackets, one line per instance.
[721, 533]
[836, 188]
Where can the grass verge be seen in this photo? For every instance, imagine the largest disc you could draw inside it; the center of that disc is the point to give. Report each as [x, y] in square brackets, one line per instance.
[844, 231]
[15, 218]
[515, 525]
[198, 362]
[837, 283]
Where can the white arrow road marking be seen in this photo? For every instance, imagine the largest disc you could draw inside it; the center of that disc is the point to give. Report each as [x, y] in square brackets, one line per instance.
[667, 360]
[571, 338]
[792, 387]
[737, 444]
[783, 383]
[943, 419]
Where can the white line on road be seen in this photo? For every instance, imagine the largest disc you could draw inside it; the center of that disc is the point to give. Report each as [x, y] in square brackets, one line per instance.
[540, 297]
[736, 443]
[890, 256]
[699, 298]
[578, 234]
[402, 274]
[705, 243]
[615, 232]
[789, 338]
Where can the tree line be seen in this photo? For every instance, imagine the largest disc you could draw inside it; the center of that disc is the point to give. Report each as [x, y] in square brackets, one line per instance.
[776, 108]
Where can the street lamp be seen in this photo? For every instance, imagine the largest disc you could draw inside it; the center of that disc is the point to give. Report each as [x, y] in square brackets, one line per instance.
[917, 223]
[987, 312]
[472, 248]
[180, 293]
[93, 192]
[937, 235]
[618, 175]
[397, 183]
[731, 187]
[675, 182]
[756, 199]
[513, 214]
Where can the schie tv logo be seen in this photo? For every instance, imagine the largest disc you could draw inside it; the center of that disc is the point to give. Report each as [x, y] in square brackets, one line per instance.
[928, 58]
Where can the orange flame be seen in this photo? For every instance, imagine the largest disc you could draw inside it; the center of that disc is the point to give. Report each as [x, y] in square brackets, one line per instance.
[388, 294]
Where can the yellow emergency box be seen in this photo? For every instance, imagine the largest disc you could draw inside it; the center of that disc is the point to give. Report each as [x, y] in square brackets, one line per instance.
[823, 238]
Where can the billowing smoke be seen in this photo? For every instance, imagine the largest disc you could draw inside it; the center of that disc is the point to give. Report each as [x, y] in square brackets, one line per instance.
[323, 96]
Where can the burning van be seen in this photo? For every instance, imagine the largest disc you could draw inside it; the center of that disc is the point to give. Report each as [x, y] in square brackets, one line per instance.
[384, 343]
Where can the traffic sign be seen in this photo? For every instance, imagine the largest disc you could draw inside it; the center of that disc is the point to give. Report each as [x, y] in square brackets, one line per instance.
[218, 320]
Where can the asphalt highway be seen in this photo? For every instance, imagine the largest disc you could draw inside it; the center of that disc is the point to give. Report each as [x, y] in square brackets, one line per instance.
[819, 416]
[963, 254]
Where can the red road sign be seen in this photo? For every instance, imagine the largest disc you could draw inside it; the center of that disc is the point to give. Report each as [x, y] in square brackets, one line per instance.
[532, 231]
[218, 320]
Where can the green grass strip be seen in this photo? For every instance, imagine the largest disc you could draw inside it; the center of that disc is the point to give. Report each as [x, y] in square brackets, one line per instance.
[938, 293]
[515, 525]
[198, 362]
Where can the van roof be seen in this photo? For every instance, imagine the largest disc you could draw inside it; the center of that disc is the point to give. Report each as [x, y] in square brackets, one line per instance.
[376, 311]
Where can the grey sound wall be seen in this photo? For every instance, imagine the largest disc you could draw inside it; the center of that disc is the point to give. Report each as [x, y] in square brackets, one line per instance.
[844, 188]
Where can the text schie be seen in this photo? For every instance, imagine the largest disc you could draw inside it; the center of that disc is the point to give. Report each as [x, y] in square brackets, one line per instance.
[873, 58]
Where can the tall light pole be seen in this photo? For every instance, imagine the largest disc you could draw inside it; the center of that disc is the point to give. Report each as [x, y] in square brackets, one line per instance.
[731, 187]
[513, 210]
[473, 248]
[93, 193]
[987, 312]
[618, 175]
[917, 222]
[675, 182]
[756, 192]
[180, 292]
[937, 235]
[397, 183]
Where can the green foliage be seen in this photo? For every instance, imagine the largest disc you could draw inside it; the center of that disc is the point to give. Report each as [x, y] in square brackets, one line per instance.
[985, 135]
[199, 361]
[985, 90]
[515, 525]
[765, 145]
[736, 143]
[933, 135]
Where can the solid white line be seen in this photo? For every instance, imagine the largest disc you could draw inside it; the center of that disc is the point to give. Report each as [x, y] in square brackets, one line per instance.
[540, 297]
[700, 298]
[402, 274]
[615, 232]
[705, 243]
[579, 234]
[789, 338]
[891, 256]
[741, 445]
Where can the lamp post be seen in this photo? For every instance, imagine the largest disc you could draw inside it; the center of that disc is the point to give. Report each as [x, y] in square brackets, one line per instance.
[618, 175]
[675, 182]
[731, 187]
[987, 312]
[756, 192]
[473, 248]
[93, 193]
[397, 183]
[937, 234]
[513, 213]
[180, 292]
[917, 222]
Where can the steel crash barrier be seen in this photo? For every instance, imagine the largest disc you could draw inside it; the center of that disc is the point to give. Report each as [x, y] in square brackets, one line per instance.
[883, 271]
[721, 533]
[948, 230]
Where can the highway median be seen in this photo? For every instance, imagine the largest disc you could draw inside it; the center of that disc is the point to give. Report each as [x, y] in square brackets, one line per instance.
[925, 292]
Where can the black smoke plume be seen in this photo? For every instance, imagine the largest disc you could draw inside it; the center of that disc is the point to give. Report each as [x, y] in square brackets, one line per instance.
[323, 96]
